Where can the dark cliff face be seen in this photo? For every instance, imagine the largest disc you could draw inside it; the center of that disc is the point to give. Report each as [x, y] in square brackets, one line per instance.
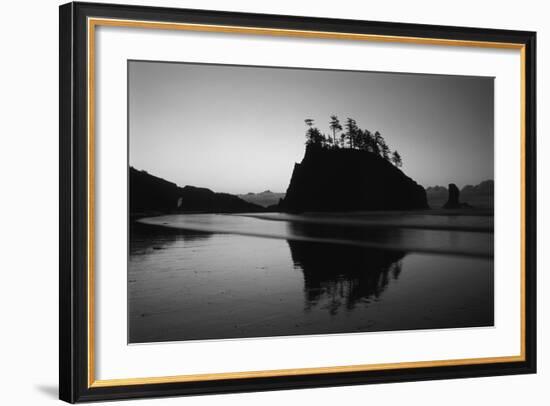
[346, 180]
[150, 194]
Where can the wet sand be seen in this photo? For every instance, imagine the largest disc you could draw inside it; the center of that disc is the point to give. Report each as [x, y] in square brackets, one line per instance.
[221, 276]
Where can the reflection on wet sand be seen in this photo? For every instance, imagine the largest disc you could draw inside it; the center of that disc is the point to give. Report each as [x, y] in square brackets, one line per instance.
[343, 275]
[198, 284]
[147, 239]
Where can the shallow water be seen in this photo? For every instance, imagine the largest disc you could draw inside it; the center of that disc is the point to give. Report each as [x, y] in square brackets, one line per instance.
[206, 276]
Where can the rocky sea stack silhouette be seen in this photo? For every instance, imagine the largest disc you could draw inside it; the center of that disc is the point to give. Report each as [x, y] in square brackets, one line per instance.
[480, 196]
[453, 202]
[340, 179]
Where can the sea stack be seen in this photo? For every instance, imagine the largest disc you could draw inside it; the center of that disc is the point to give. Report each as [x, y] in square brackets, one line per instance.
[330, 179]
[453, 202]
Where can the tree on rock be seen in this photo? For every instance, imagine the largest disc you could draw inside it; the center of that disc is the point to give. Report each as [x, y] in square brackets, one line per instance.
[351, 131]
[353, 138]
[396, 159]
[385, 150]
[313, 135]
[335, 126]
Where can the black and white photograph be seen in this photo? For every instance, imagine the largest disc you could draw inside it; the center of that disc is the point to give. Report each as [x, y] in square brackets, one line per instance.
[274, 201]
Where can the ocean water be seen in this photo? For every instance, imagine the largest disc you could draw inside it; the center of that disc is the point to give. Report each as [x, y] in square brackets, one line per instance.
[212, 276]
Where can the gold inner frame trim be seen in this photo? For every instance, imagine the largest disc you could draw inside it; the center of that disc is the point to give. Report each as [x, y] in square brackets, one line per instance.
[94, 22]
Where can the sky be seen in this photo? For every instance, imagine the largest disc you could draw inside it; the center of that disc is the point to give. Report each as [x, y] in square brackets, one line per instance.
[240, 129]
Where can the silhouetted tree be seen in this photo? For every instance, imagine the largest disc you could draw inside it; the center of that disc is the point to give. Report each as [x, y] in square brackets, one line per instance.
[311, 134]
[351, 131]
[314, 137]
[396, 159]
[353, 136]
[342, 141]
[377, 143]
[363, 140]
[359, 139]
[384, 149]
[369, 141]
[335, 126]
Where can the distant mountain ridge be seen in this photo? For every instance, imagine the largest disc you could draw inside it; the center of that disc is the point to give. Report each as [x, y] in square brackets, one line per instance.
[201, 199]
[266, 198]
[151, 194]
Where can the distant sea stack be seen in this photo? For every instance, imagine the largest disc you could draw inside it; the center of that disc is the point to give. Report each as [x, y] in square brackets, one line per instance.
[347, 180]
[150, 194]
[478, 196]
[453, 202]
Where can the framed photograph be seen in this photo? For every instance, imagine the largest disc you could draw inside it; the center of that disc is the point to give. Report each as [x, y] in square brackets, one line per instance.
[255, 202]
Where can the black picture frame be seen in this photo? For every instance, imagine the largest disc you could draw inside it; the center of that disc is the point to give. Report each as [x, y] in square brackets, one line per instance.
[74, 385]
